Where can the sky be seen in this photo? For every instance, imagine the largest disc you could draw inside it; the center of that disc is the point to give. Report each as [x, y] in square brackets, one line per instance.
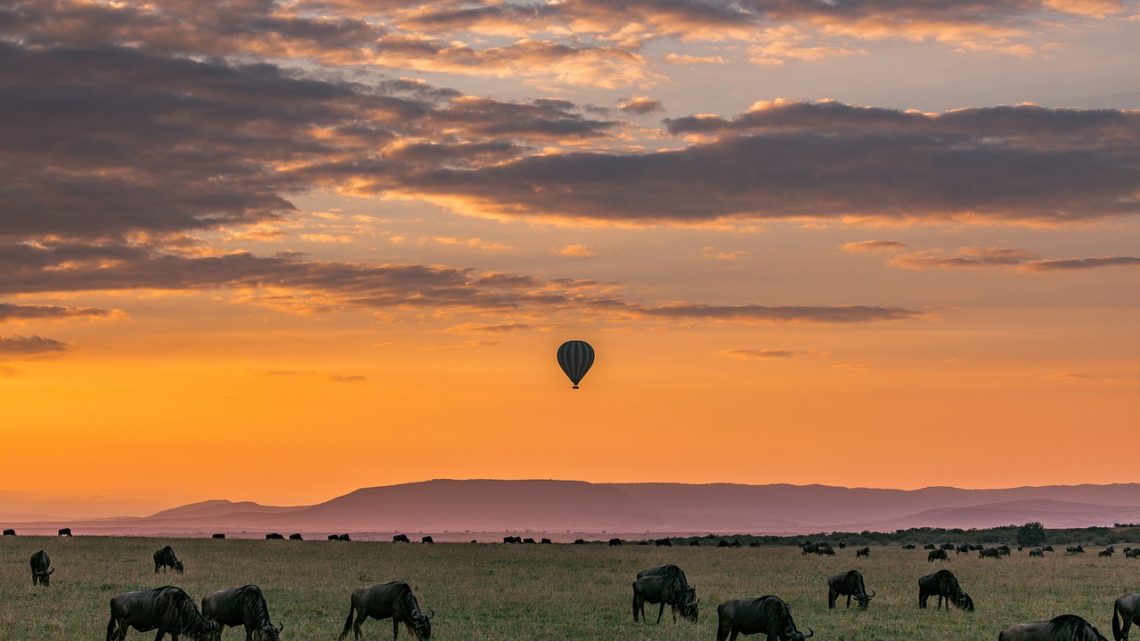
[277, 250]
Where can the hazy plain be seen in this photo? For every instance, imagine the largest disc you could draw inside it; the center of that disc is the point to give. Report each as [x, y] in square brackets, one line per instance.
[495, 592]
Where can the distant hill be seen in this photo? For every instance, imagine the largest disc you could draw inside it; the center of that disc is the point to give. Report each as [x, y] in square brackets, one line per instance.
[561, 507]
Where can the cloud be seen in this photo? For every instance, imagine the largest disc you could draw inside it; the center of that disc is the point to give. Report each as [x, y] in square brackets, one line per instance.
[784, 313]
[9, 311]
[756, 354]
[1066, 264]
[983, 257]
[687, 59]
[30, 346]
[872, 246]
[967, 257]
[478, 328]
[640, 105]
[722, 254]
[577, 250]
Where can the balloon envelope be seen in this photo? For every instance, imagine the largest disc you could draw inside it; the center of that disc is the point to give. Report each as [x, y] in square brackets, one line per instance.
[575, 357]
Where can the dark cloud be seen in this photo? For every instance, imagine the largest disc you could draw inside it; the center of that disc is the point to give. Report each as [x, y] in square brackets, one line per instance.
[981, 257]
[1017, 164]
[9, 311]
[757, 354]
[872, 246]
[640, 105]
[1083, 263]
[30, 346]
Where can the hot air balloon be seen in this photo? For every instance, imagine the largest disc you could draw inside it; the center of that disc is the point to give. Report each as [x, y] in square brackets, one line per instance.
[575, 357]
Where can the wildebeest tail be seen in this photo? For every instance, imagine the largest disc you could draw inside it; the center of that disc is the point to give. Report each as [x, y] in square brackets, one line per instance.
[1116, 632]
[111, 629]
[348, 622]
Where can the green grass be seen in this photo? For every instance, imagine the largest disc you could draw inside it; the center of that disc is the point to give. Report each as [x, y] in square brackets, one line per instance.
[493, 592]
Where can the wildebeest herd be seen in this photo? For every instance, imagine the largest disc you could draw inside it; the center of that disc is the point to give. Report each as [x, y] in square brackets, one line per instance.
[170, 610]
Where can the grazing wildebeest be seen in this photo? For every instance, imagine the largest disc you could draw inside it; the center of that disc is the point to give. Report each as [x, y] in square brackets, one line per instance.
[274, 536]
[1037, 552]
[662, 543]
[930, 546]
[962, 549]
[849, 584]
[244, 606]
[977, 548]
[218, 535]
[1003, 550]
[427, 539]
[667, 585]
[842, 544]
[512, 539]
[615, 541]
[1078, 549]
[296, 536]
[9, 532]
[1134, 553]
[333, 537]
[865, 551]
[937, 554]
[344, 537]
[1105, 553]
[168, 609]
[768, 615]
[910, 546]
[990, 553]
[1125, 612]
[1067, 627]
[944, 585]
[546, 542]
[809, 548]
[529, 541]
[947, 546]
[1048, 548]
[41, 568]
[65, 531]
[394, 601]
[164, 558]
[401, 538]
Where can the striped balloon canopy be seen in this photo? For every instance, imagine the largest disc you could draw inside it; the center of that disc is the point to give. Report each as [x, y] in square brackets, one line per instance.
[575, 357]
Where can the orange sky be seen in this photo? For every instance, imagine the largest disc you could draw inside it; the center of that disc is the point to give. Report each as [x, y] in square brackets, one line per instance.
[270, 283]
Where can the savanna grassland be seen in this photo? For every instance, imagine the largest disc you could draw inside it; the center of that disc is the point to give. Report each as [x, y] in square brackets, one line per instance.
[494, 592]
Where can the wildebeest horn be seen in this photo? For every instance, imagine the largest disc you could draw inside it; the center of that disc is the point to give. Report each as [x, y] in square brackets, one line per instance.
[50, 570]
[871, 595]
[431, 613]
[280, 627]
[811, 633]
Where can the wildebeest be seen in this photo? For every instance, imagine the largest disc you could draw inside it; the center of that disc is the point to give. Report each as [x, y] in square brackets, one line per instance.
[1108, 552]
[864, 551]
[65, 531]
[947, 546]
[1048, 548]
[666, 585]
[218, 535]
[615, 541]
[930, 546]
[1067, 627]
[768, 615]
[848, 584]
[990, 553]
[426, 539]
[1125, 612]
[662, 542]
[512, 539]
[937, 554]
[842, 544]
[1003, 550]
[244, 606]
[344, 537]
[1134, 553]
[392, 600]
[579, 541]
[529, 541]
[401, 538]
[1077, 549]
[546, 541]
[164, 558]
[910, 546]
[9, 532]
[274, 536]
[296, 536]
[962, 549]
[168, 609]
[944, 585]
[41, 568]
[333, 537]
[1037, 552]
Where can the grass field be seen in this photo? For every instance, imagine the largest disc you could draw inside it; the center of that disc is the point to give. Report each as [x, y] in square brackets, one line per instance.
[494, 592]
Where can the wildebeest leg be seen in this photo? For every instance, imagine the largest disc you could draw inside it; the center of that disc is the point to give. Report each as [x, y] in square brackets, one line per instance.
[660, 611]
[395, 628]
[722, 630]
[940, 602]
[161, 633]
[848, 600]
